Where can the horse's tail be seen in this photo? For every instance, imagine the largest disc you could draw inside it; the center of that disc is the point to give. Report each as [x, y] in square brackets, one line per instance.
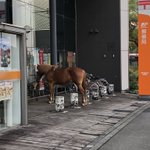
[84, 83]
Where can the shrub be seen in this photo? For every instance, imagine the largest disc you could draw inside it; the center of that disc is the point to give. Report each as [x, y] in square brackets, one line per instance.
[133, 79]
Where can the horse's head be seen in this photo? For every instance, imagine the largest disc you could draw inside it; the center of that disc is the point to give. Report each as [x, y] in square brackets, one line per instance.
[38, 76]
[43, 69]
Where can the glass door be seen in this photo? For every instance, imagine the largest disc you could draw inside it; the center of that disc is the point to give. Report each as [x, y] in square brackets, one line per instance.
[10, 99]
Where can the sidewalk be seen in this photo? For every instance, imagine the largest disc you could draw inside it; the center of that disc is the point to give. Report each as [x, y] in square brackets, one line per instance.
[134, 136]
[75, 128]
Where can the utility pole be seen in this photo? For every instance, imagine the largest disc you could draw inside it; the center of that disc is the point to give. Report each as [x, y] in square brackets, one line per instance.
[53, 31]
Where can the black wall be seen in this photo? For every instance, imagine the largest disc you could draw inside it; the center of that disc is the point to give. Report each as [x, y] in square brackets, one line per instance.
[6, 11]
[98, 39]
[9, 11]
[65, 28]
[42, 39]
[66, 25]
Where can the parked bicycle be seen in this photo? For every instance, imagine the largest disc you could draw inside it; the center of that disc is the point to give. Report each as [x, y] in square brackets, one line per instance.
[98, 87]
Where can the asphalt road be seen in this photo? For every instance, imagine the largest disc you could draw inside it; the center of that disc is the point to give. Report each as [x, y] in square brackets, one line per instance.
[135, 136]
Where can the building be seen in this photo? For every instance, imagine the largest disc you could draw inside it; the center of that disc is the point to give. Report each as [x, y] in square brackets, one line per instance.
[94, 32]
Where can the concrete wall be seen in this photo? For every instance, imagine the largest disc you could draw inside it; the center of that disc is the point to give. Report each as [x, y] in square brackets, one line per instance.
[23, 15]
[124, 44]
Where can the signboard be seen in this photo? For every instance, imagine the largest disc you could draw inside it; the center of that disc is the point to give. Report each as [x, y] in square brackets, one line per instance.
[5, 51]
[70, 58]
[41, 56]
[144, 47]
[6, 90]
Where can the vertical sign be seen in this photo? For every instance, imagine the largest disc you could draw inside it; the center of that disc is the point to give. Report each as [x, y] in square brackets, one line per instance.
[41, 56]
[71, 59]
[5, 51]
[144, 46]
[41, 61]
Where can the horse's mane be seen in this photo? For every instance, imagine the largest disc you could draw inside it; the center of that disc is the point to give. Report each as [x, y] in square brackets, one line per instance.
[44, 68]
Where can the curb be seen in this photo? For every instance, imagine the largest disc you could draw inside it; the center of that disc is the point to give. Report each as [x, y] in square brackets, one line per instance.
[102, 139]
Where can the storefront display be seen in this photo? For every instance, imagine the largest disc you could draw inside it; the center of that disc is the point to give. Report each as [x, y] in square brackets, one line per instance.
[36, 56]
[6, 90]
[11, 78]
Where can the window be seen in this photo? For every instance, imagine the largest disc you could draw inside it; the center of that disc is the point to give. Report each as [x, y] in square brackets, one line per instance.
[2, 10]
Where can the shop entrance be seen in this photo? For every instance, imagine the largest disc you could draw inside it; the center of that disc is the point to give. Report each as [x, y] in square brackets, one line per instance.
[12, 76]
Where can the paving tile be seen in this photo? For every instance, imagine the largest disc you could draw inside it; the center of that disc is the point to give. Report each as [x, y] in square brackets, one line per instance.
[72, 129]
[112, 120]
[69, 147]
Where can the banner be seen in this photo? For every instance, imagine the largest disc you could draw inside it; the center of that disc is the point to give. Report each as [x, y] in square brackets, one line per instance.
[6, 90]
[5, 52]
[144, 46]
[41, 56]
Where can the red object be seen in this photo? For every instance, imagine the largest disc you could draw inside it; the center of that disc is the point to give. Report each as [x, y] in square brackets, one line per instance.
[144, 3]
[41, 85]
[144, 54]
[0, 56]
[41, 56]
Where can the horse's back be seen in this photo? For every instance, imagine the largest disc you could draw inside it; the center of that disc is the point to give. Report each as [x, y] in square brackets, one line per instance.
[76, 70]
[65, 75]
[77, 74]
[43, 68]
[61, 76]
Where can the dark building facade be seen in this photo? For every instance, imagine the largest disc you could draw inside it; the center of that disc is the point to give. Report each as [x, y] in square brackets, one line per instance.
[92, 30]
[94, 33]
[6, 11]
[98, 39]
[65, 27]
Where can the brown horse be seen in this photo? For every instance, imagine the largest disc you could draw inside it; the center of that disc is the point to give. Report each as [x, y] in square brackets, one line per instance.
[63, 76]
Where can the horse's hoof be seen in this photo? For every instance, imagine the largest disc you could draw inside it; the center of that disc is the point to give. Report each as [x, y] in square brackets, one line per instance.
[84, 104]
[50, 102]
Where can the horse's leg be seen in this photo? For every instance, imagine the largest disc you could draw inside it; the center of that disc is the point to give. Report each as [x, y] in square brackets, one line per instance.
[51, 99]
[82, 91]
[53, 94]
[84, 85]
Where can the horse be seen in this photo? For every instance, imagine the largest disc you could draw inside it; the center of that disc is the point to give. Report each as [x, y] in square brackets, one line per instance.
[63, 76]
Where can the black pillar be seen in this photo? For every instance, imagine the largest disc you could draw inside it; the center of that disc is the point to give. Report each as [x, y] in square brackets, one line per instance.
[53, 31]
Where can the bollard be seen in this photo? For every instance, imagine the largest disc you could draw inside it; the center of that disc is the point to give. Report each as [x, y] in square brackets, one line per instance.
[94, 93]
[74, 99]
[111, 89]
[59, 103]
[103, 90]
